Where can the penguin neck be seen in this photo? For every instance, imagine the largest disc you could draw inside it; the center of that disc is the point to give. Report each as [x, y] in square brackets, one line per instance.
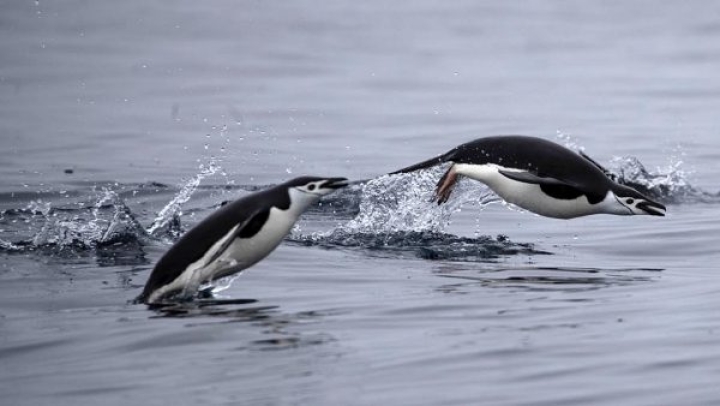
[300, 201]
[611, 205]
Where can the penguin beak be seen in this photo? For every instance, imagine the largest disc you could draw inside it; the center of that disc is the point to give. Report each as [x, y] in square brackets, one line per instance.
[335, 183]
[651, 208]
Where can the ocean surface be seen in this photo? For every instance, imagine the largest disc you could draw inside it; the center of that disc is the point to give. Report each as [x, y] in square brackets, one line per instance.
[123, 124]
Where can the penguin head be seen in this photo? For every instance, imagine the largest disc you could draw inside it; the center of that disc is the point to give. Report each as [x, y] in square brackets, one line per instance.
[634, 202]
[314, 187]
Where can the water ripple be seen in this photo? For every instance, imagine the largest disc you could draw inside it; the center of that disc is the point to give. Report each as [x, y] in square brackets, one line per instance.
[420, 244]
[541, 279]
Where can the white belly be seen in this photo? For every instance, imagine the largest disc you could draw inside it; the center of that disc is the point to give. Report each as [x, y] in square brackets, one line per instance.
[245, 252]
[526, 195]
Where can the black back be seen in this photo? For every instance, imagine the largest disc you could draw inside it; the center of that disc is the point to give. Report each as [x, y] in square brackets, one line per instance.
[535, 155]
[198, 240]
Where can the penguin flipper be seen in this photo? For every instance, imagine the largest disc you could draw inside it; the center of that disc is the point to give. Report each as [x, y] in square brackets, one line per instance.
[248, 228]
[529, 177]
[554, 187]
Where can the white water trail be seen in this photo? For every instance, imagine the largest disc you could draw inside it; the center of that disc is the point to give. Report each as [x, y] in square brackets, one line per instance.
[400, 204]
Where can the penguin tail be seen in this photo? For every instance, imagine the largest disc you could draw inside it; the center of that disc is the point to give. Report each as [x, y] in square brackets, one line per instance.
[423, 165]
[445, 185]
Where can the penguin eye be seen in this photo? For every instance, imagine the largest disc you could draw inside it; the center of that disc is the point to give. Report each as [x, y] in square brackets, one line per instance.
[311, 187]
[630, 201]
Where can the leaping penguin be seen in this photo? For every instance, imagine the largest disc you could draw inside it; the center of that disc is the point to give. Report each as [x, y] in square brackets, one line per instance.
[234, 237]
[539, 176]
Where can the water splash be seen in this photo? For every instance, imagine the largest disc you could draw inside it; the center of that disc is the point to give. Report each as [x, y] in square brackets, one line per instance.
[62, 227]
[109, 221]
[568, 141]
[397, 217]
[669, 184]
[404, 202]
[389, 204]
[168, 219]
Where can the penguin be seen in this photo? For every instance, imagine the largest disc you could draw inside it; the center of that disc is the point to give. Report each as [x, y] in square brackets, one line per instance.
[539, 176]
[233, 238]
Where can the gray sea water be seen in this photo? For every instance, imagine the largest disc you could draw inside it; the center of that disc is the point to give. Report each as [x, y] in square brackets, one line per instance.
[123, 124]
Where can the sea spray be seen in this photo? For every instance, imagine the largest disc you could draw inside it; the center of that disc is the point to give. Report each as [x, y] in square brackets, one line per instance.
[108, 221]
[398, 217]
[167, 218]
[401, 202]
[669, 184]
